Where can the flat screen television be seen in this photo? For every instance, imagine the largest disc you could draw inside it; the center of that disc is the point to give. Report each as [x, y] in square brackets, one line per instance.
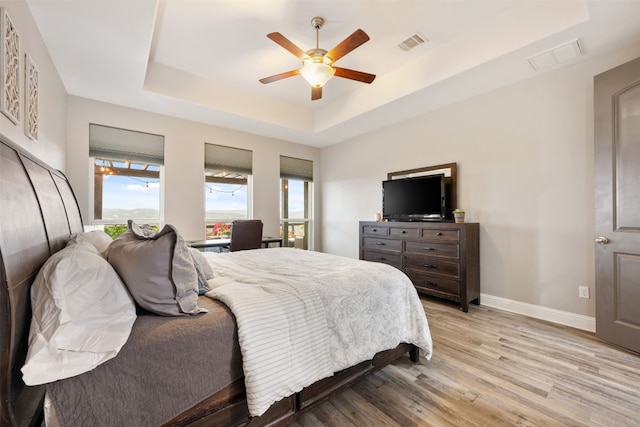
[423, 198]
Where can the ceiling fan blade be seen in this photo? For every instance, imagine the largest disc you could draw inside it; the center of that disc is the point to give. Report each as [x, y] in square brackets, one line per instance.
[316, 93]
[356, 39]
[287, 44]
[280, 76]
[354, 75]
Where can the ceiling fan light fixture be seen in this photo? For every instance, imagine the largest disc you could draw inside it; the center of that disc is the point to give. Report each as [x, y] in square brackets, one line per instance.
[317, 64]
[317, 73]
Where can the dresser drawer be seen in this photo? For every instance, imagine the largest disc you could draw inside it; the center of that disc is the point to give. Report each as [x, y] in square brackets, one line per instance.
[382, 244]
[426, 283]
[404, 232]
[445, 250]
[432, 265]
[391, 259]
[375, 230]
[444, 235]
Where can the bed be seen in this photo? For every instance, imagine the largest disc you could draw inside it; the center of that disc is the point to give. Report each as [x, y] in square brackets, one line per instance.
[38, 215]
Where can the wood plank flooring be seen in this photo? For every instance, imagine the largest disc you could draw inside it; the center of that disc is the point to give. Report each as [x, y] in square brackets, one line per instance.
[494, 368]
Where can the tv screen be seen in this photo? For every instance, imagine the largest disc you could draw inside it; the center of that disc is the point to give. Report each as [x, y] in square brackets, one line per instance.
[419, 199]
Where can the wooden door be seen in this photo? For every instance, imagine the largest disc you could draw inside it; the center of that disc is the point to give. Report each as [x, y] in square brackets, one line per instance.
[617, 204]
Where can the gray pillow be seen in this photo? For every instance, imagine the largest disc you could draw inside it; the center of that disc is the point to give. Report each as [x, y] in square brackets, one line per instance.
[203, 268]
[157, 269]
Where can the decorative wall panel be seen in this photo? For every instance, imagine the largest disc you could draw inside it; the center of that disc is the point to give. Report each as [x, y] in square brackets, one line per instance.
[31, 77]
[9, 68]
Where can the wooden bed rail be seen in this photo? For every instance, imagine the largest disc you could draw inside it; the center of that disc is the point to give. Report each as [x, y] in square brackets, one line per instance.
[229, 406]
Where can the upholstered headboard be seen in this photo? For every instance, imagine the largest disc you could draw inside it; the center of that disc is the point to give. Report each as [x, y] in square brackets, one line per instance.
[38, 213]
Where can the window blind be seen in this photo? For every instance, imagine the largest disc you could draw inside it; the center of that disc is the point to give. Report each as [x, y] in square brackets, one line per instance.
[122, 144]
[219, 158]
[292, 168]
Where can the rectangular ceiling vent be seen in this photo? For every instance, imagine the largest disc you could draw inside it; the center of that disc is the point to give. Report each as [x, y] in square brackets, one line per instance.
[413, 41]
[555, 56]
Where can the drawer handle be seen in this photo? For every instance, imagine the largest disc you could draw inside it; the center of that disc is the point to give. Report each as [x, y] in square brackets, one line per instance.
[382, 258]
[380, 243]
[438, 233]
[430, 266]
[429, 249]
[375, 230]
[428, 283]
[403, 231]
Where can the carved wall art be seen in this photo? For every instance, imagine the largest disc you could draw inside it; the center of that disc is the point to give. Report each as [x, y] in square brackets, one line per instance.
[9, 68]
[31, 77]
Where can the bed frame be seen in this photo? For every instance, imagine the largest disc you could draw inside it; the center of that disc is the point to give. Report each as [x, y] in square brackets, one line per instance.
[38, 213]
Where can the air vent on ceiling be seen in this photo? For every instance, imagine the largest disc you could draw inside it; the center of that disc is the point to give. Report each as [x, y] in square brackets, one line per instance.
[555, 56]
[413, 41]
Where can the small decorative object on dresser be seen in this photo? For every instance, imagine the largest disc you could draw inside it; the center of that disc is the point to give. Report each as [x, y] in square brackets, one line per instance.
[458, 216]
[442, 259]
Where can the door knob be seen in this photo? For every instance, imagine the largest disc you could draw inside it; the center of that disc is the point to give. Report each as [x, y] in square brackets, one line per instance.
[602, 240]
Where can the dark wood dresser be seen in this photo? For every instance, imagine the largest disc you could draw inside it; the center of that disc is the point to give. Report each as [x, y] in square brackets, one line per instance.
[442, 259]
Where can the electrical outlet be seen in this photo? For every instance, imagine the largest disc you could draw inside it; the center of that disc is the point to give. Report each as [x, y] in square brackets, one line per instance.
[583, 292]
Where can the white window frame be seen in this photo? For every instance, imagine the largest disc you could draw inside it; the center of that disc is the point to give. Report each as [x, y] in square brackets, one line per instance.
[297, 169]
[101, 222]
[210, 222]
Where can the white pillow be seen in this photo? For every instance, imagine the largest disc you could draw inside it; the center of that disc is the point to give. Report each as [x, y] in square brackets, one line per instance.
[98, 238]
[82, 315]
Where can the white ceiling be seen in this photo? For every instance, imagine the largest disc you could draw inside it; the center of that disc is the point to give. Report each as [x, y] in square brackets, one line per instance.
[201, 60]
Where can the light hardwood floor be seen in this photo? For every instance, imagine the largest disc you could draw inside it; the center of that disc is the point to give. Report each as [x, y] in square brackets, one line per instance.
[494, 368]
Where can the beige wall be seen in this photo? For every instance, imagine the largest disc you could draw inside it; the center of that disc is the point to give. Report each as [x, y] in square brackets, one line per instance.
[525, 173]
[184, 163]
[52, 98]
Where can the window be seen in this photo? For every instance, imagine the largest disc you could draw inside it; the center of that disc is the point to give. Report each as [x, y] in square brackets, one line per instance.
[227, 173]
[126, 167]
[296, 183]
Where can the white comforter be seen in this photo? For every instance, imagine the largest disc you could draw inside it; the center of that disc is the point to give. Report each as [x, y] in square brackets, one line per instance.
[303, 315]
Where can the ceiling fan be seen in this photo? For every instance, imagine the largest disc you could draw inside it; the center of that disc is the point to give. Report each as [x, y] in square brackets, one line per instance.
[317, 64]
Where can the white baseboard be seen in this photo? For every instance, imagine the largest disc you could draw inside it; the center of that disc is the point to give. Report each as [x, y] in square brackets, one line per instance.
[566, 318]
